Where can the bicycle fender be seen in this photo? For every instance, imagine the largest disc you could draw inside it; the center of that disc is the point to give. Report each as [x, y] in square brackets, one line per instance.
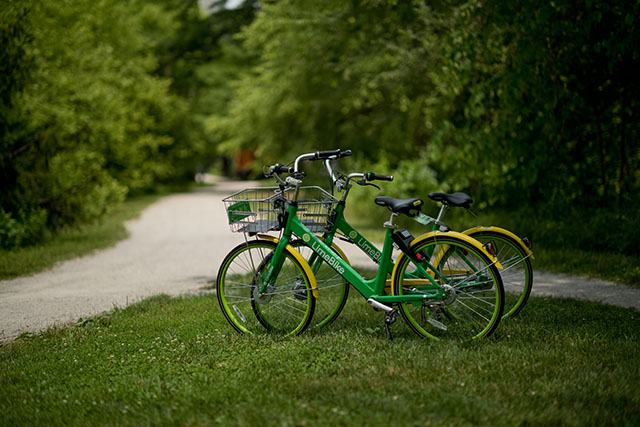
[299, 258]
[501, 231]
[460, 236]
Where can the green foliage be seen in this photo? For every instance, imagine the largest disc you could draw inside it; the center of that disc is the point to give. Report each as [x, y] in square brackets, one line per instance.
[334, 74]
[84, 118]
[520, 104]
[25, 229]
[516, 103]
[202, 59]
[543, 94]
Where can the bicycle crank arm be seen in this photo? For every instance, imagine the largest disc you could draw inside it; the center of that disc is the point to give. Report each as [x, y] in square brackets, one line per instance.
[375, 304]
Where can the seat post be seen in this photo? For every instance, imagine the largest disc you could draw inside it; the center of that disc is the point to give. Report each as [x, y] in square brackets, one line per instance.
[440, 217]
[392, 221]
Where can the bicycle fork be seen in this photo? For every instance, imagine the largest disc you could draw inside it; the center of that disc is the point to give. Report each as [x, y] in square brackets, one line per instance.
[275, 265]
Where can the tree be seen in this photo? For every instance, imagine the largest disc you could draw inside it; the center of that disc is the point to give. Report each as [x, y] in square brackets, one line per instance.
[350, 74]
[547, 89]
[87, 120]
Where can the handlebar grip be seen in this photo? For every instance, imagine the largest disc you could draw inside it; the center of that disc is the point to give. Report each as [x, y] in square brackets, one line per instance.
[370, 176]
[278, 168]
[345, 153]
[321, 155]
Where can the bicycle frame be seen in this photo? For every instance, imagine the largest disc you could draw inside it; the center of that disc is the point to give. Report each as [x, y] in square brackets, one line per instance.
[431, 282]
[370, 289]
[339, 223]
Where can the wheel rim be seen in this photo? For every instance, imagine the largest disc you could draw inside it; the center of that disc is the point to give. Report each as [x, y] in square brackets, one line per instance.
[473, 305]
[281, 309]
[517, 273]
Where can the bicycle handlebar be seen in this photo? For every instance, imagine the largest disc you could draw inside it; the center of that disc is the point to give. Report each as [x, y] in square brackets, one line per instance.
[370, 176]
[319, 155]
[275, 170]
[365, 177]
[278, 168]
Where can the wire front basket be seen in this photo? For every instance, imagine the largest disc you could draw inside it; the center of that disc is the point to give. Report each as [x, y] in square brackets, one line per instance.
[259, 210]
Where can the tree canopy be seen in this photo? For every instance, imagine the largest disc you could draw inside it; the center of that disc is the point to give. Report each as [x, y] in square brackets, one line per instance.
[99, 99]
[519, 103]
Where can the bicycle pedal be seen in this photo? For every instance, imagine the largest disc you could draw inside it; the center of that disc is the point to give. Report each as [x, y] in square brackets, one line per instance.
[390, 317]
[436, 324]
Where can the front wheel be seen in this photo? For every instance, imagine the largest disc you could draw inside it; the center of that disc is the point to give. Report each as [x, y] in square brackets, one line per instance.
[471, 299]
[287, 305]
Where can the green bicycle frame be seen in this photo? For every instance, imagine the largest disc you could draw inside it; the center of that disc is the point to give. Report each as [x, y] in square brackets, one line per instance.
[340, 223]
[373, 288]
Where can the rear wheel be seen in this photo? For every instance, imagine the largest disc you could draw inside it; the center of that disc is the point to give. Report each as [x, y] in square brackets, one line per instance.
[472, 302]
[517, 273]
[287, 305]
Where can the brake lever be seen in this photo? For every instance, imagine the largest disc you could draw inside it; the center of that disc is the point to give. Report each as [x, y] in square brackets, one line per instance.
[362, 182]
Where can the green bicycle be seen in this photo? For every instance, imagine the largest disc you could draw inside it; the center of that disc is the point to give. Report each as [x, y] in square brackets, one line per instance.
[266, 283]
[513, 252]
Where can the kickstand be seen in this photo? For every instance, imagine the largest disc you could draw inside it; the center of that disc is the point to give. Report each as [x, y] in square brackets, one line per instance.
[389, 319]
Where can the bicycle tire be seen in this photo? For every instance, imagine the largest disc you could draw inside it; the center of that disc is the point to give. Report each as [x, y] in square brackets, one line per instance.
[517, 273]
[473, 308]
[286, 308]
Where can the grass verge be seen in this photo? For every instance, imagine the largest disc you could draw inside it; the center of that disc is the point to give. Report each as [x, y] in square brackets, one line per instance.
[177, 361]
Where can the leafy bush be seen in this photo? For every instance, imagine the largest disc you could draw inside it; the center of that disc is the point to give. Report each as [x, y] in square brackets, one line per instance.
[27, 229]
[84, 117]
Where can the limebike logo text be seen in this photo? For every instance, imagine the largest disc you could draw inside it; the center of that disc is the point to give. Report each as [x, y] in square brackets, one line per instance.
[373, 252]
[332, 261]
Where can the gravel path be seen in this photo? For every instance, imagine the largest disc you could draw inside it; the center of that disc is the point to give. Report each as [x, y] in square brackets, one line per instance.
[176, 247]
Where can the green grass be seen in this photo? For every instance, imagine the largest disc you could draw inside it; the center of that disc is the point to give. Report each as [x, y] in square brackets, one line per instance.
[77, 241]
[177, 361]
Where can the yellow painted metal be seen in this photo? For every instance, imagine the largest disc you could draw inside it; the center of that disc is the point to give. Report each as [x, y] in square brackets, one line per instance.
[501, 231]
[460, 236]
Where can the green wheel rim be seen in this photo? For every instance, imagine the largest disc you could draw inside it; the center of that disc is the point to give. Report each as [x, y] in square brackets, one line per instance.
[517, 273]
[288, 307]
[477, 308]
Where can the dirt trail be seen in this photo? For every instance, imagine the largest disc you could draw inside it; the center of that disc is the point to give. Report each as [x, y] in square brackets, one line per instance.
[176, 247]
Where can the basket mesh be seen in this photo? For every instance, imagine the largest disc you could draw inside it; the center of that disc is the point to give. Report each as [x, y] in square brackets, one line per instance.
[257, 210]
